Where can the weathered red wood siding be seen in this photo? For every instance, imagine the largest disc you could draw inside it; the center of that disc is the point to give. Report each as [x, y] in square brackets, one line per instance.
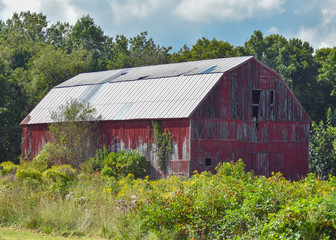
[138, 134]
[126, 135]
[223, 128]
[33, 139]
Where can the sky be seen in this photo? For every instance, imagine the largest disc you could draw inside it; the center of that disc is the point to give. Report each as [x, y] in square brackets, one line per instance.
[179, 22]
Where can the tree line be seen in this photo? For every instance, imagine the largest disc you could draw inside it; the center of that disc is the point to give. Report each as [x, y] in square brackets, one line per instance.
[36, 56]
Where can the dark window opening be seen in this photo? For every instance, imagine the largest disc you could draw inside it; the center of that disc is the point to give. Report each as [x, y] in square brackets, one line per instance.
[255, 103]
[208, 162]
[255, 107]
[255, 112]
[256, 96]
[272, 96]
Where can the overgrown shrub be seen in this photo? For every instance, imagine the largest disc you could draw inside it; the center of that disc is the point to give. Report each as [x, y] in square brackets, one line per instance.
[108, 172]
[96, 163]
[60, 173]
[118, 164]
[61, 178]
[23, 173]
[74, 133]
[131, 162]
[47, 157]
[8, 167]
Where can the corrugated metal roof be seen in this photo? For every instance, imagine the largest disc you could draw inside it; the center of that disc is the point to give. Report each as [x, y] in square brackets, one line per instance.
[157, 71]
[151, 92]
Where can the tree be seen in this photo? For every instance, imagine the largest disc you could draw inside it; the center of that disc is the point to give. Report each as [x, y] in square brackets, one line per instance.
[255, 45]
[136, 51]
[11, 107]
[73, 133]
[328, 70]
[85, 34]
[58, 34]
[322, 147]
[53, 66]
[204, 49]
[25, 28]
[145, 52]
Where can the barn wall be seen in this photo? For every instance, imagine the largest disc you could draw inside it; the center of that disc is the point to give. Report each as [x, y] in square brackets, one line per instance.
[33, 139]
[126, 135]
[251, 115]
[138, 134]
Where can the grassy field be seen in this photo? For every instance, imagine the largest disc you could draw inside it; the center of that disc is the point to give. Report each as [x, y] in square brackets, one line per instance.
[231, 204]
[20, 234]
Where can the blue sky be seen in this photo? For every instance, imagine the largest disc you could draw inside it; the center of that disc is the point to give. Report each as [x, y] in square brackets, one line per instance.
[178, 22]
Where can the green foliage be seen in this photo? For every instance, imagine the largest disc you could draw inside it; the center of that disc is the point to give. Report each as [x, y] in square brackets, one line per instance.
[8, 167]
[108, 172]
[51, 66]
[136, 51]
[131, 162]
[60, 173]
[11, 104]
[61, 178]
[204, 49]
[49, 155]
[74, 132]
[24, 173]
[232, 204]
[96, 163]
[163, 142]
[322, 147]
[118, 164]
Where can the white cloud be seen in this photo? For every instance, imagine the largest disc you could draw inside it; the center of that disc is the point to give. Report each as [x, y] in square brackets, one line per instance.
[127, 10]
[60, 10]
[55, 10]
[323, 33]
[273, 30]
[233, 10]
[11, 6]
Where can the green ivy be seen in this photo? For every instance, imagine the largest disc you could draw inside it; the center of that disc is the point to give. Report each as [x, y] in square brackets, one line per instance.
[164, 143]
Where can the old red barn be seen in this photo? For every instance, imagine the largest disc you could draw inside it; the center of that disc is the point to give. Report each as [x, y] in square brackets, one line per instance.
[217, 110]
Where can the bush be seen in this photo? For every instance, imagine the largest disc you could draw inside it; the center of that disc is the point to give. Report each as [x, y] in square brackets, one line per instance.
[60, 173]
[32, 173]
[61, 178]
[47, 157]
[95, 163]
[118, 164]
[108, 172]
[132, 162]
[8, 167]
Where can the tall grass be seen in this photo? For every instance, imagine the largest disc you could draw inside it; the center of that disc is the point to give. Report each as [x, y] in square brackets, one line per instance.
[231, 204]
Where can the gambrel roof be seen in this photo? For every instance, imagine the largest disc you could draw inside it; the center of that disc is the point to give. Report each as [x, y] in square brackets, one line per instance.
[151, 92]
